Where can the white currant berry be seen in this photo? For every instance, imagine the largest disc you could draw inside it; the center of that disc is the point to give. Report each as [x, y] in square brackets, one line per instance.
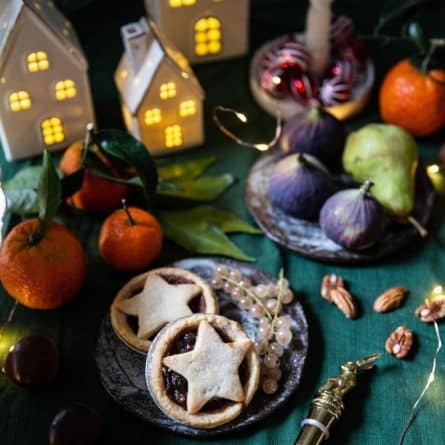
[271, 304]
[275, 348]
[287, 297]
[245, 282]
[216, 283]
[237, 294]
[260, 347]
[283, 336]
[270, 386]
[260, 291]
[271, 361]
[222, 270]
[284, 321]
[245, 302]
[257, 311]
[235, 275]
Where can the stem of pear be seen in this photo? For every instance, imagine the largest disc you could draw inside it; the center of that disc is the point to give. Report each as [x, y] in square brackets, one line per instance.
[416, 224]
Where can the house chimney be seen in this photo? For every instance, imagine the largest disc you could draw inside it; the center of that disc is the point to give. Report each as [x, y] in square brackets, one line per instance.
[136, 43]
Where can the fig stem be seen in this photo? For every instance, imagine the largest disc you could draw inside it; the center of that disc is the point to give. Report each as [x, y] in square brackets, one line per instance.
[131, 221]
[416, 224]
[314, 113]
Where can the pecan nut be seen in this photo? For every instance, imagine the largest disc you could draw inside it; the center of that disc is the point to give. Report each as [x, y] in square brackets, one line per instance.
[390, 299]
[330, 282]
[333, 290]
[400, 342]
[432, 310]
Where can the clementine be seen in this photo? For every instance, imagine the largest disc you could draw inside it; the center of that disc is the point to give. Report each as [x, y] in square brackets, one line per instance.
[130, 239]
[412, 99]
[96, 193]
[42, 272]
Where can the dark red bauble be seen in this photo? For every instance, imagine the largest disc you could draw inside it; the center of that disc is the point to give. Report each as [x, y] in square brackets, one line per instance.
[76, 425]
[293, 55]
[343, 69]
[274, 81]
[33, 362]
[303, 88]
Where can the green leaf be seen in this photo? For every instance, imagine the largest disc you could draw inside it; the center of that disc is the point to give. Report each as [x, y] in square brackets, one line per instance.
[205, 188]
[184, 170]
[226, 221]
[198, 236]
[397, 10]
[21, 191]
[49, 191]
[126, 148]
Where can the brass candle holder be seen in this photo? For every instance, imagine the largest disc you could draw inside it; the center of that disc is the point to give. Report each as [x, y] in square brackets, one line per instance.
[328, 406]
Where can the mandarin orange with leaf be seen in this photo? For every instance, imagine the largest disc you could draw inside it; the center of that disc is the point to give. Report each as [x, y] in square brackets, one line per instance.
[413, 99]
[96, 193]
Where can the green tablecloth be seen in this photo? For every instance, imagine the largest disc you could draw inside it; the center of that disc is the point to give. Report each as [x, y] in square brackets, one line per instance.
[379, 407]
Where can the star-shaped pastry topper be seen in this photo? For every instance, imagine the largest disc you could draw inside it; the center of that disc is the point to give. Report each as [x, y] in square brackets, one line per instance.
[158, 304]
[211, 369]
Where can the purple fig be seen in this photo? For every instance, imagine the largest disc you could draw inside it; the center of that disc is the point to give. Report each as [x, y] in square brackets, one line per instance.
[317, 132]
[353, 218]
[299, 185]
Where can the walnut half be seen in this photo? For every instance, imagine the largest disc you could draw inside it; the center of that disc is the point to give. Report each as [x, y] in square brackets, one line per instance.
[399, 343]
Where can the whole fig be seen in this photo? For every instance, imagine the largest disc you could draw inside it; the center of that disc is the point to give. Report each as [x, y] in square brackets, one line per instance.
[317, 132]
[353, 218]
[299, 185]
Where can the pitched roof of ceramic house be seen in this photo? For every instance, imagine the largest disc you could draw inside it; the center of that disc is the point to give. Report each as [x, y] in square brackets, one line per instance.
[133, 86]
[10, 11]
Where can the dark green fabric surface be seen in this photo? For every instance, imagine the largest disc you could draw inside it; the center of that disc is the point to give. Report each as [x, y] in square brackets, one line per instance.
[378, 409]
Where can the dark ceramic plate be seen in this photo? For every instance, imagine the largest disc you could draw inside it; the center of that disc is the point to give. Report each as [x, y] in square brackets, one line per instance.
[307, 238]
[122, 370]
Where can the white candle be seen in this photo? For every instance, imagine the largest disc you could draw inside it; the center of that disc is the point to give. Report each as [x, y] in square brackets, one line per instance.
[318, 23]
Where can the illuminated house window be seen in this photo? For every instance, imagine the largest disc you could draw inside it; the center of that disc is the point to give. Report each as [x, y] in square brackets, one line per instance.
[65, 89]
[52, 131]
[173, 136]
[208, 36]
[19, 101]
[152, 116]
[37, 61]
[187, 108]
[179, 3]
[168, 90]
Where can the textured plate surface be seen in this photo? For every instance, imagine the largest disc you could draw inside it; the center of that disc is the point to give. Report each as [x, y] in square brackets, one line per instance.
[122, 369]
[308, 239]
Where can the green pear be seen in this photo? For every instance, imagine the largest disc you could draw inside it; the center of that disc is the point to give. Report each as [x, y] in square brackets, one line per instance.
[387, 155]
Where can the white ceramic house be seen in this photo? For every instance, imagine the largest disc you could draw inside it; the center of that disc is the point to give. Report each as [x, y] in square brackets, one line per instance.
[204, 30]
[44, 89]
[162, 101]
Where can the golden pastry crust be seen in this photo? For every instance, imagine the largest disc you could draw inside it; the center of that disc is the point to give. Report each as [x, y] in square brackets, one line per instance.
[119, 319]
[156, 382]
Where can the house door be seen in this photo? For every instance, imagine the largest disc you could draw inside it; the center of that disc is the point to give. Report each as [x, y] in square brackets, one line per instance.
[52, 131]
[208, 36]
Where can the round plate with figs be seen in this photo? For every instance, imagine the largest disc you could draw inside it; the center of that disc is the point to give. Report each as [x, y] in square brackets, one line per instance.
[122, 369]
[306, 237]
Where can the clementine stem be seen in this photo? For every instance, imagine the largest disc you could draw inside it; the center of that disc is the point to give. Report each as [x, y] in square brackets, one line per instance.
[131, 221]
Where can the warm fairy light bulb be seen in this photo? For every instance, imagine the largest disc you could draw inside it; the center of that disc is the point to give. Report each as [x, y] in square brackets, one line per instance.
[432, 169]
[241, 116]
[262, 147]
[437, 290]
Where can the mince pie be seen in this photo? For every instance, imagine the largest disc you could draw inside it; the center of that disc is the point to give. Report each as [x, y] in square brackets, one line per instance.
[202, 370]
[151, 300]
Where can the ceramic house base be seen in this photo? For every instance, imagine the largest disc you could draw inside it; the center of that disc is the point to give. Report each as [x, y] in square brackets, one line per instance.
[204, 30]
[162, 101]
[44, 88]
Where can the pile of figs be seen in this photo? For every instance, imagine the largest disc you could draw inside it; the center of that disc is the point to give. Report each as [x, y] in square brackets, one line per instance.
[381, 159]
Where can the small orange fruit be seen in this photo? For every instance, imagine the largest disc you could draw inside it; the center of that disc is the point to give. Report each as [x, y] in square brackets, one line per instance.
[130, 239]
[96, 193]
[412, 99]
[42, 273]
